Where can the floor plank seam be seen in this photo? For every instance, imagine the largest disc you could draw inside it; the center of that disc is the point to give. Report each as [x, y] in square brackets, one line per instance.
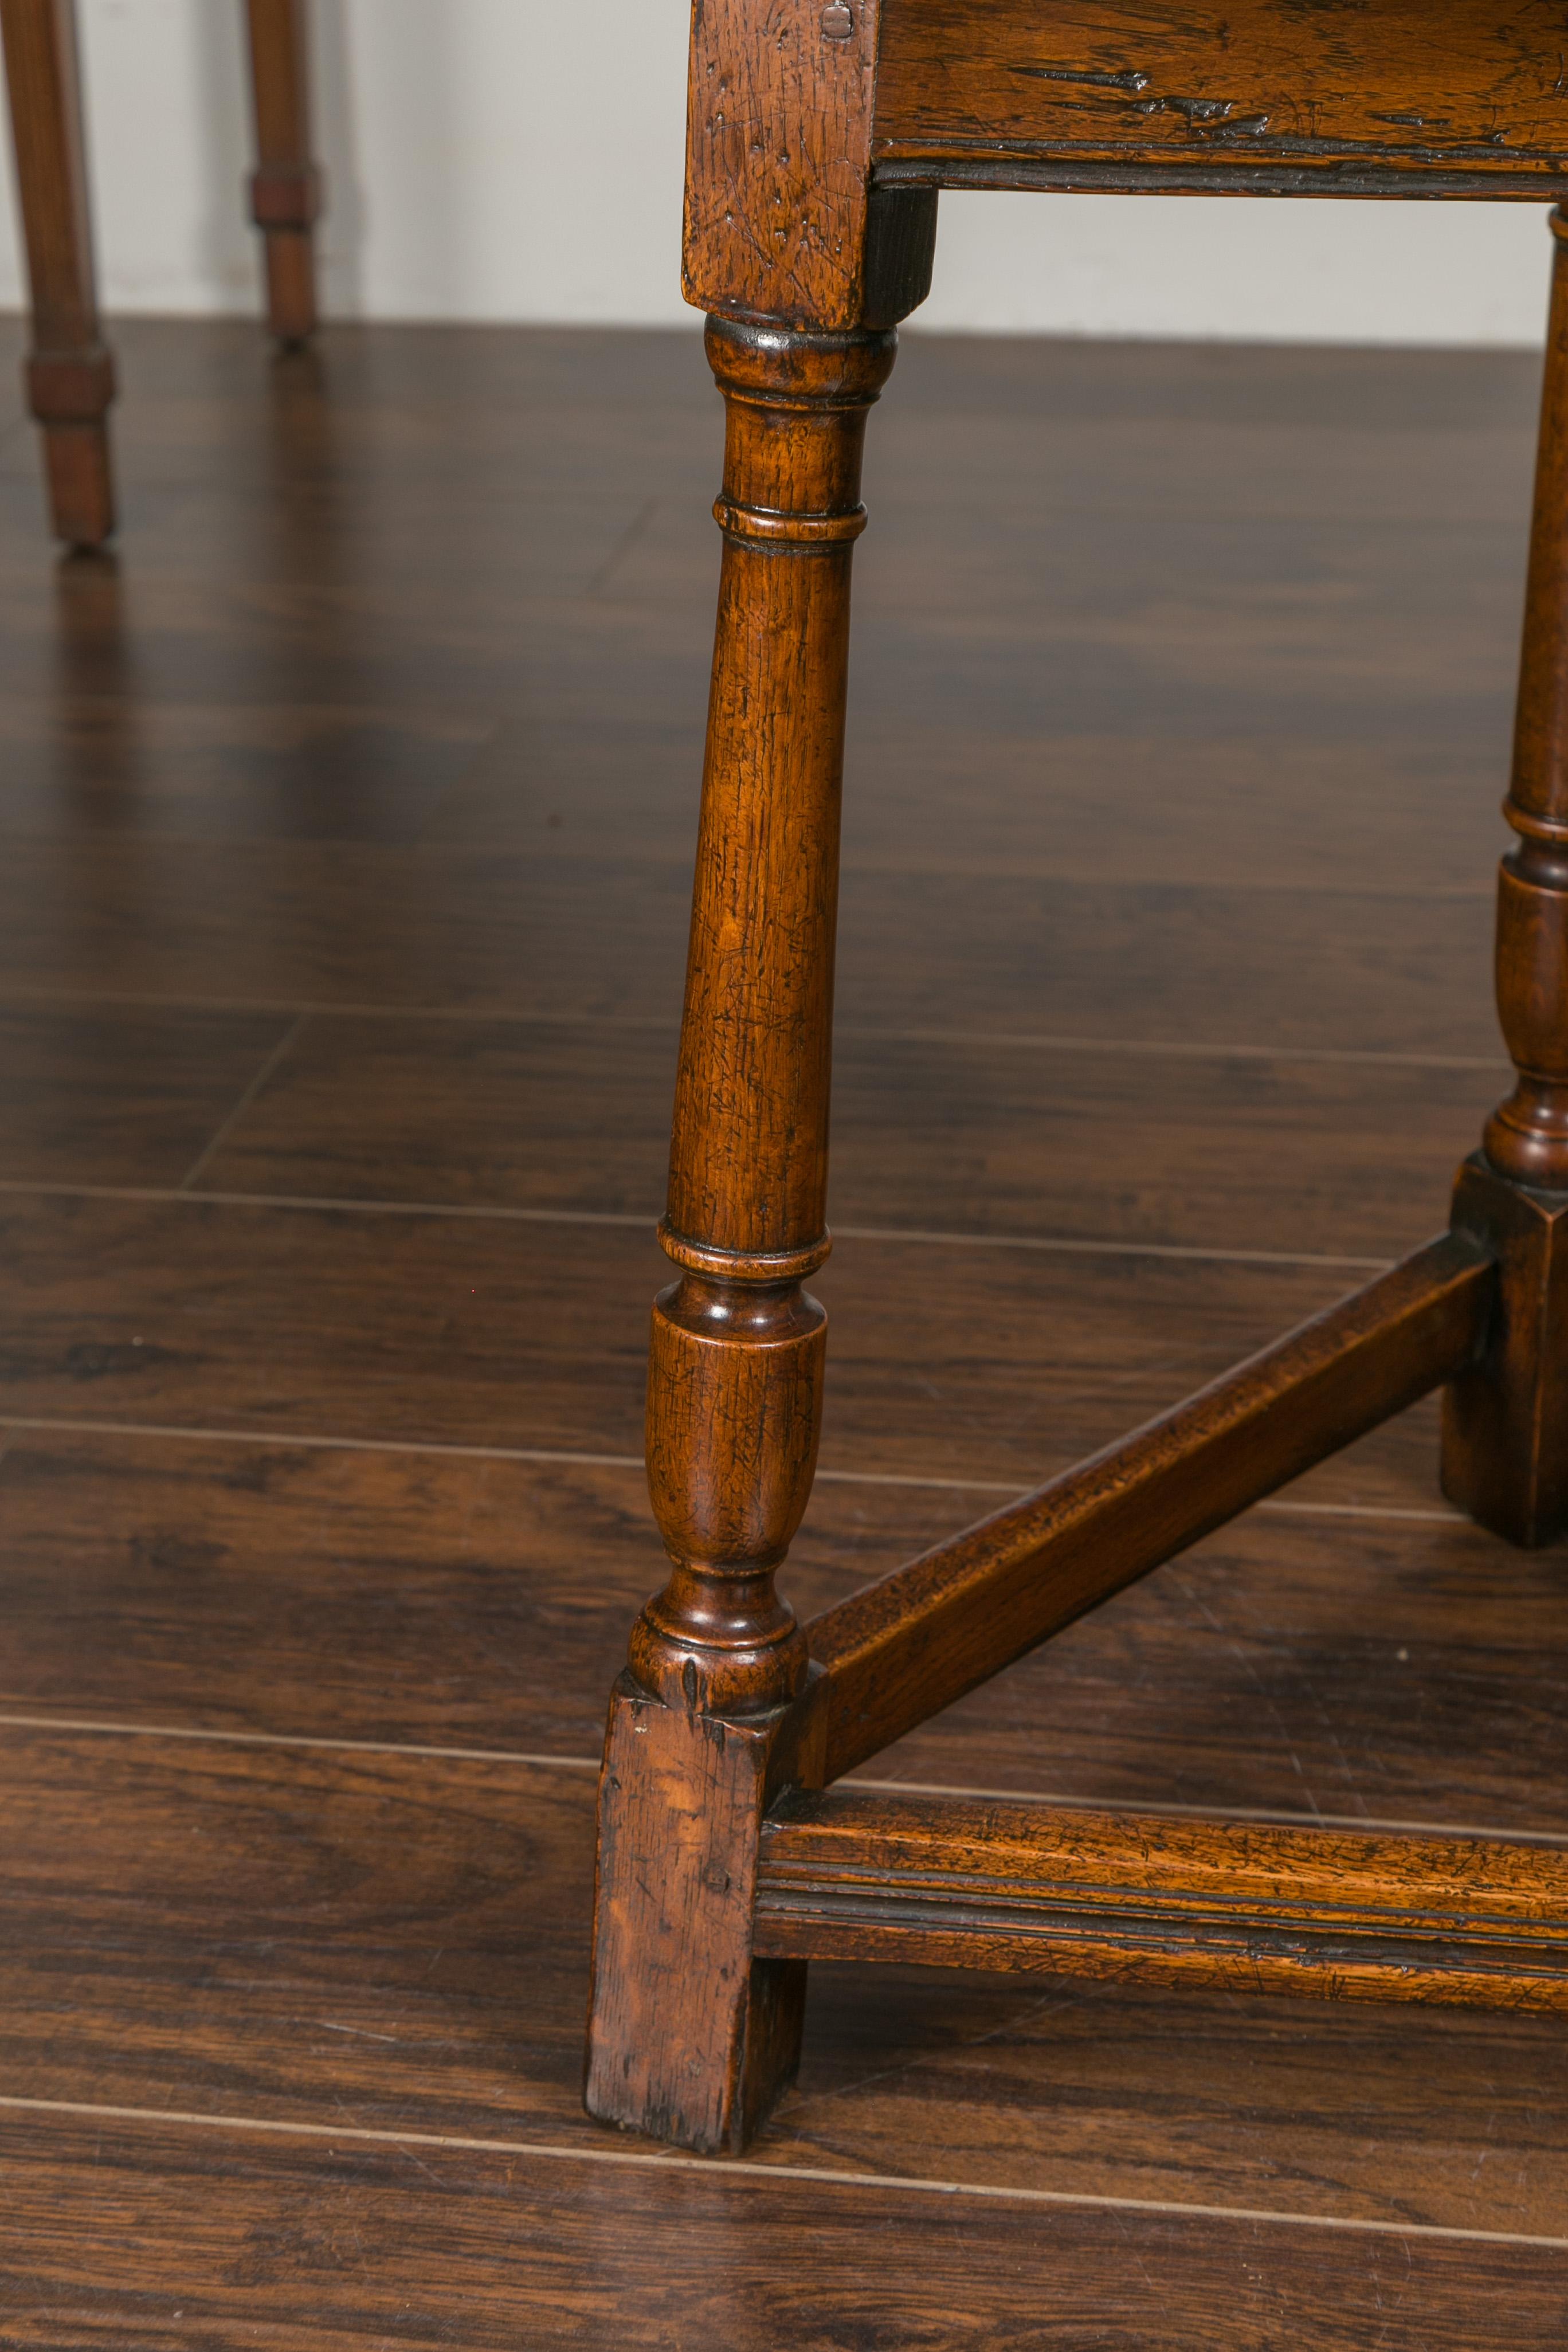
[668, 1024]
[759, 2169]
[93, 1727]
[266, 761]
[226, 1126]
[1182, 1049]
[620, 551]
[96, 1727]
[315, 1441]
[505, 1214]
[1074, 1246]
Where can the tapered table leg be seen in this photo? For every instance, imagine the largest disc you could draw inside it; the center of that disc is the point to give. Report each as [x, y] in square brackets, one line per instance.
[68, 373]
[689, 2037]
[285, 186]
[1505, 1457]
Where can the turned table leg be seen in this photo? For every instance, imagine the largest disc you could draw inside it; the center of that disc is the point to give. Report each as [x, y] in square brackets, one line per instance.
[689, 2037]
[1505, 1457]
[69, 375]
[285, 186]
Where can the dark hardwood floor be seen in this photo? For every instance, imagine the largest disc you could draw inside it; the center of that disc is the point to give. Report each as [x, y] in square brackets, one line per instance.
[346, 821]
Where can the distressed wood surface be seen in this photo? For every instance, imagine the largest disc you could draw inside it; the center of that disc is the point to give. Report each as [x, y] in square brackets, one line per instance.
[778, 145]
[689, 2037]
[735, 1367]
[728, 1503]
[953, 1882]
[1410, 1669]
[1259, 97]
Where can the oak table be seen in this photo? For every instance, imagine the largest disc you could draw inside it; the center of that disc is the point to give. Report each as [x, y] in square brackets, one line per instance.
[819, 136]
[69, 370]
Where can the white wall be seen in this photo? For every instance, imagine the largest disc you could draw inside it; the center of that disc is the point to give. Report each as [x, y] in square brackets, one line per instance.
[463, 186]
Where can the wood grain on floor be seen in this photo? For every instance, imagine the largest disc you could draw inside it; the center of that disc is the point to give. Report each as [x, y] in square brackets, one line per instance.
[348, 816]
[385, 1940]
[291, 2240]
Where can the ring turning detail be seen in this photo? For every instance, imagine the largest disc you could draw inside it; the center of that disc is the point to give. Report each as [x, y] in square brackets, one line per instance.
[726, 1863]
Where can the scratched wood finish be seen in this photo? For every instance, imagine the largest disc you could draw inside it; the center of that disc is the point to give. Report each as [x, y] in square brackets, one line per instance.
[1353, 2114]
[689, 2035]
[368, 2244]
[953, 1883]
[285, 186]
[781, 219]
[778, 139]
[736, 1362]
[69, 370]
[735, 1369]
[717, 1679]
[1263, 97]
